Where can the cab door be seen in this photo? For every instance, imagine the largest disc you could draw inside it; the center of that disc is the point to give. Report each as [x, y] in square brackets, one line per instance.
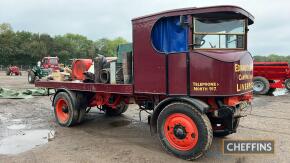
[170, 38]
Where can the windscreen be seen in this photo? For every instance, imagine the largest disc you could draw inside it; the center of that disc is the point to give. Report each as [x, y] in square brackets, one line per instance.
[219, 34]
[53, 61]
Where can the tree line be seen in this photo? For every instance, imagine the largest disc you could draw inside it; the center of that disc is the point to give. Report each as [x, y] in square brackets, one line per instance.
[272, 58]
[26, 48]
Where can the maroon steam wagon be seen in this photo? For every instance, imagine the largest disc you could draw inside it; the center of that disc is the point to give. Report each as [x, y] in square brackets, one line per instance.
[190, 67]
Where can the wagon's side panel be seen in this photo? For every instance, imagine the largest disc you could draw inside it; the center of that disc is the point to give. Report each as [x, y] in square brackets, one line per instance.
[177, 74]
[149, 66]
[220, 75]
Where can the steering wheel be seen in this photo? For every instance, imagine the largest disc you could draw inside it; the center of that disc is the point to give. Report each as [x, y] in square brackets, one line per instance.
[231, 41]
[212, 46]
[202, 42]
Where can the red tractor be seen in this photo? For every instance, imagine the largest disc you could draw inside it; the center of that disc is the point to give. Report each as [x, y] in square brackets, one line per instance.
[190, 67]
[50, 63]
[13, 70]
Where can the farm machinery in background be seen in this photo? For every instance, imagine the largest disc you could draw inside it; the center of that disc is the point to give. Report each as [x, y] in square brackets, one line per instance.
[13, 70]
[268, 76]
[43, 69]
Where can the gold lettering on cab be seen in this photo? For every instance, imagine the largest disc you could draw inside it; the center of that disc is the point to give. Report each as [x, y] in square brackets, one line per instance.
[205, 86]
[245, 73]
[244, 86]
[243, 68]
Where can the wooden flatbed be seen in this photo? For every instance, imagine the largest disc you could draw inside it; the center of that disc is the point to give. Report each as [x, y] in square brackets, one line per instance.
[125, 89]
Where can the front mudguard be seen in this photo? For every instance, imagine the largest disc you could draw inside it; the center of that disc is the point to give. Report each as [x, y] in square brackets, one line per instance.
[198, 104]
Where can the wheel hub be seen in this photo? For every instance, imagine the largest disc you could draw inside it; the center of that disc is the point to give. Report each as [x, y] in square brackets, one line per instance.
[65, 109]
[179, 132]
[62, 110]
[258, 86]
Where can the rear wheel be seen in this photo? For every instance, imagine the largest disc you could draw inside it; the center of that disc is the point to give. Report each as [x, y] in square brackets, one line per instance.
[121, 108]
[8, 72]
[287, 84]
[66, 114]
[31, 77]
[183, 131]
[261, 85]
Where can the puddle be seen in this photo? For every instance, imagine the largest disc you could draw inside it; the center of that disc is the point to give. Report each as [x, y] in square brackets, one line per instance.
[16, 120]
[25, 141]
[120, 123]
[16, 127]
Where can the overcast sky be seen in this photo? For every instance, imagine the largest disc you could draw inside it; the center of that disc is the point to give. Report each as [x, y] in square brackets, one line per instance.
[112, 18]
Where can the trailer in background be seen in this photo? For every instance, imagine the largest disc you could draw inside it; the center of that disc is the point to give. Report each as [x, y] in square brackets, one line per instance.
[268, 76]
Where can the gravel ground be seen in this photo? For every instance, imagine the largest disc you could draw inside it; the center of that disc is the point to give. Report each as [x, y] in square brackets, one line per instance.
[27, 128]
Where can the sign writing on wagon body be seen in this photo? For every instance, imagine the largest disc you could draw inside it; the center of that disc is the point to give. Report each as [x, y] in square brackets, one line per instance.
[205, 86]
[244, 74]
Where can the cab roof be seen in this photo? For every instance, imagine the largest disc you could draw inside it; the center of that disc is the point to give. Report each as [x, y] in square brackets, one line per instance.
[205, 12]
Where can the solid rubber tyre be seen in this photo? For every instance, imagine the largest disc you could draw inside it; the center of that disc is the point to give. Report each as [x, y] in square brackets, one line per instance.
[65, 111]
[177, 116]
[121, 108]
[287, 84]
[261, 85]
[31, 77]
[226, 133]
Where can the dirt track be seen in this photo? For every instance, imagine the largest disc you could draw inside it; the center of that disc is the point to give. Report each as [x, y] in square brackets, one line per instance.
[125, 138]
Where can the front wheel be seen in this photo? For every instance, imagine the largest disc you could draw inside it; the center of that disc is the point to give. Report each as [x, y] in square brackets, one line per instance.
[183, 131]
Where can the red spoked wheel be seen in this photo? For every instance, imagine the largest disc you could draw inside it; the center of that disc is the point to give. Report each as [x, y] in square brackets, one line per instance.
[62, 111]
[184, 131]
[181, 131]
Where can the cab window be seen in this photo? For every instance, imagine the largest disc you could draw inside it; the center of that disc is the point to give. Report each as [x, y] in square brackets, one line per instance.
[169, 35]
[219, 34]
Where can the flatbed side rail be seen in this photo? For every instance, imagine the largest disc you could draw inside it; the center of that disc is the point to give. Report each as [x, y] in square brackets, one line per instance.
[126, 89]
